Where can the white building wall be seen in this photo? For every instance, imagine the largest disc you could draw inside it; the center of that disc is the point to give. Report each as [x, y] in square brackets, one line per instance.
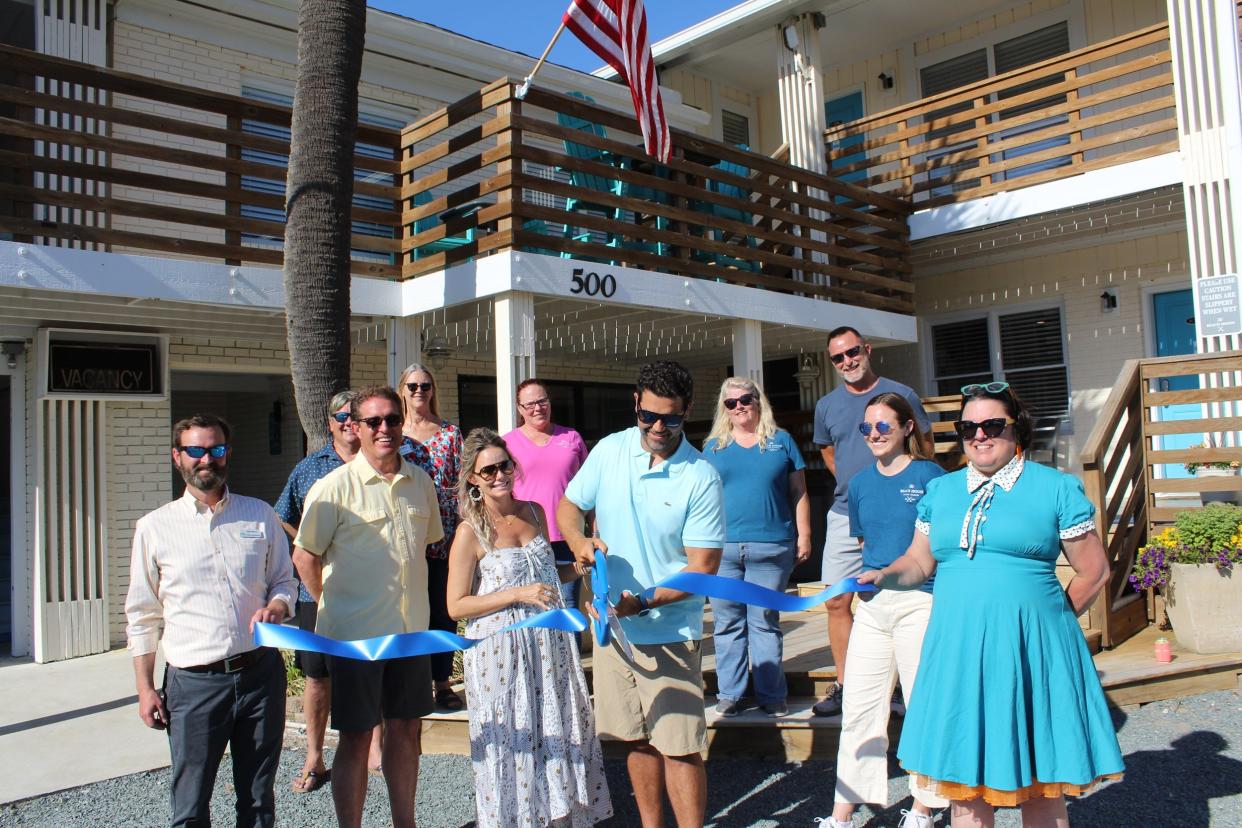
[1097, 342]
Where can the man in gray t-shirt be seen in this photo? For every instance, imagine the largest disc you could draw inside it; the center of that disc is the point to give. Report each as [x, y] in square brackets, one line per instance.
[837, 415]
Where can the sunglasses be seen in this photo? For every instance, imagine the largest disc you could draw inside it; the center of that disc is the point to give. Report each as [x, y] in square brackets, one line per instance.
[197, 452]
[883, 427]
[997, 387]
[650, 418]
[391, 420]
[341, 417]
[992, 428]
[848, 353]
[533, 404]
[490, 472]
[425, 387]
[744, 399]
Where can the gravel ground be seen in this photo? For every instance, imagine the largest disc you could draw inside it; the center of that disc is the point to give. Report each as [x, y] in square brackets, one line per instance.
[1183, 769]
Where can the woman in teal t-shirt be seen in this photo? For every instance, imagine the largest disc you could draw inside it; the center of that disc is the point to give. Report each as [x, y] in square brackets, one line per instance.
[767, 532]
[888, 626]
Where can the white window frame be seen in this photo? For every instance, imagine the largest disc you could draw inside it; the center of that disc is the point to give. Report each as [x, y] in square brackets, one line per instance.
[993, 314]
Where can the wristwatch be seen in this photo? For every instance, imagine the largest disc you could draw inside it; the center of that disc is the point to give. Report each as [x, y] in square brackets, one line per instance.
[643, 603]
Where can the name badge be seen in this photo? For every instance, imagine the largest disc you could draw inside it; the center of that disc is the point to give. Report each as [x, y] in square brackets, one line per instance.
[252, 534]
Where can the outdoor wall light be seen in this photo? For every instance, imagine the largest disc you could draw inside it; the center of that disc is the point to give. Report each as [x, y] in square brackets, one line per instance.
[886, 80]
[437, 351]
[12, 350]
[791, 38]
[1108, 301]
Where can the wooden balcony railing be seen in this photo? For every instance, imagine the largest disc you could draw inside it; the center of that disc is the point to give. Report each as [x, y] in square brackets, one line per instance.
[556, 174]
[1107, 104]
[1132, 462]
[113, 160]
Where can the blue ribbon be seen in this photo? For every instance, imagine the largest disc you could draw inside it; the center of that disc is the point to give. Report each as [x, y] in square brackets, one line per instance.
[725, 589]
[403, 645]
[599, 601]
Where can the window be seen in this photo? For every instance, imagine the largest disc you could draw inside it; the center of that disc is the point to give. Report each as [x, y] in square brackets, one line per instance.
[277, 187]
[978, 65]
[734, 129]
[594, 409]
[1024, 348]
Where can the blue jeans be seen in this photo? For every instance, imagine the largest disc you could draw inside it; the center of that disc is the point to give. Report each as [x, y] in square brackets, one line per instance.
[570, 590]
[751, 636]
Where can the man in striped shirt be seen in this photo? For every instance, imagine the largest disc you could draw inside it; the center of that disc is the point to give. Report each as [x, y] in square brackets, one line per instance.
[205, 568]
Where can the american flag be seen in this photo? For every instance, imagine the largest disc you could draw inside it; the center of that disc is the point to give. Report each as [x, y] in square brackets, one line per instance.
[616, 30]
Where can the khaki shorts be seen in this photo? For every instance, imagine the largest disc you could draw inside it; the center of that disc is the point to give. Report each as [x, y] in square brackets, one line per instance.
[658, 698]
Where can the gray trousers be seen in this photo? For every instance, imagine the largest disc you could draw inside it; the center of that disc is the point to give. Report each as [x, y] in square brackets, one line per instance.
[243, 710]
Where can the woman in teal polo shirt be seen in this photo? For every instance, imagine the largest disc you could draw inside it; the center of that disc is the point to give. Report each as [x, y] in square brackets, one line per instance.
[768, 532]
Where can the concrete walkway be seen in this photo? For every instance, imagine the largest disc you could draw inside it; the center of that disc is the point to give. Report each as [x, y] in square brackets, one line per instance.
[72, 722]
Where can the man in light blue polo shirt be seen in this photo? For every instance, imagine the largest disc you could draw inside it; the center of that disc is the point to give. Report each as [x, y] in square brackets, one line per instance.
[659, 509]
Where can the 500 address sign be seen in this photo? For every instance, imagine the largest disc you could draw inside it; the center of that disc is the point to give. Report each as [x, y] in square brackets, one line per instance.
[591, 283]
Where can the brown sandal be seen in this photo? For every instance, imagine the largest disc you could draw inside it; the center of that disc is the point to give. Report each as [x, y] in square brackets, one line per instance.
[446, 698]
[311, 781]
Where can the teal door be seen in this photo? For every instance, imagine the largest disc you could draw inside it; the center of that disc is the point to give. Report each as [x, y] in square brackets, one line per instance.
[842, 110]
[1174, 315]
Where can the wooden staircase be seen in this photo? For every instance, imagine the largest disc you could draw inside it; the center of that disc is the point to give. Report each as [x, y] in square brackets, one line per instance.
[1125, 473]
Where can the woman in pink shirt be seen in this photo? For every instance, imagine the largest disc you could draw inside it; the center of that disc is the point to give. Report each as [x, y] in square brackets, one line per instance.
[549, 455]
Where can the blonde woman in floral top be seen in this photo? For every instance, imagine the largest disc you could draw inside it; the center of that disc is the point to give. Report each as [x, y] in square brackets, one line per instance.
[434, 445]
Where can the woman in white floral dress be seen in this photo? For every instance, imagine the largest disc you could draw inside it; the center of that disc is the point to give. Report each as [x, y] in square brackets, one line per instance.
[537, 761]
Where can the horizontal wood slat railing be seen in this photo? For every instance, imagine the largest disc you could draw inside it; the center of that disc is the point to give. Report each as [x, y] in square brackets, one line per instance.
[1134, 477]
[558, 175]
[1107, 104]
[97, 167]
[117, 161]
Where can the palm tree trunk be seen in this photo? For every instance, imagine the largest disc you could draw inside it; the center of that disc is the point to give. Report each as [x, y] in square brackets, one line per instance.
[318, 195]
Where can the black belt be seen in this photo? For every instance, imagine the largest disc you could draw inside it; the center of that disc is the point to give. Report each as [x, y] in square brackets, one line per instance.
[232, 664]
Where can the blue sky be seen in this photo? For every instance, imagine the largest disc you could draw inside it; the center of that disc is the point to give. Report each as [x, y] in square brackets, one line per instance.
[528, 25]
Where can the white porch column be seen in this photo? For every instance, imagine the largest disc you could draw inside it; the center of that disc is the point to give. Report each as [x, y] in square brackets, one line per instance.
[800, 88]
[1203, 38]
[405, 345]
[748, 350]
[515, 352]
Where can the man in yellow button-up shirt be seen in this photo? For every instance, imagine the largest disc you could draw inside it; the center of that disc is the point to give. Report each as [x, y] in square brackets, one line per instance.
[360, 550]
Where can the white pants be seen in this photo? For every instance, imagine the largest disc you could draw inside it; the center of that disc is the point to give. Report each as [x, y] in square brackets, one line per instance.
[885, 643]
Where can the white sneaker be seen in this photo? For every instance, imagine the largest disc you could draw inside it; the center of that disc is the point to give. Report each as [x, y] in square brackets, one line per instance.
[913, 819]
[829, 822]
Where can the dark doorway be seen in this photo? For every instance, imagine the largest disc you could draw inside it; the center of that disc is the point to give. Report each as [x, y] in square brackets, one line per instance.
[593, 409]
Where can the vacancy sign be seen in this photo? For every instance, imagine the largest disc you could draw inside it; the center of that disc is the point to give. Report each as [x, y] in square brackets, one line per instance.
[1220, 312]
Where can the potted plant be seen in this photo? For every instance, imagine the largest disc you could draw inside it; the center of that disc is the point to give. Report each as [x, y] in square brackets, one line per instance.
[1214, 468]
[1192, 563]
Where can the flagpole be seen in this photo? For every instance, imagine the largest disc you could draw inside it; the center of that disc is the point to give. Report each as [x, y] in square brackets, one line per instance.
[525, 87]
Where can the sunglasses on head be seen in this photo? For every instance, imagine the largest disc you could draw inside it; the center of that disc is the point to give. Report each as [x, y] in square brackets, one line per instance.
[425, 387]
[883, 427]
[997, 387]
[341, 417]
[649, 418]
[744, 399]
[197, 452]
[391, 420]
[848, 353]
[490, 472]
[992, 428]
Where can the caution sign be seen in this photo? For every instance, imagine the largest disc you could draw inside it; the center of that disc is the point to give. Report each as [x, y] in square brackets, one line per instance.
[1220, 312]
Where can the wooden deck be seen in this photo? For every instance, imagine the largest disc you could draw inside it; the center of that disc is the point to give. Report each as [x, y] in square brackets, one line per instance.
[1130, 675]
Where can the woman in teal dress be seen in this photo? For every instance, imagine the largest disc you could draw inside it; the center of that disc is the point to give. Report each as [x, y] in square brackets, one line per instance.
[1009, 709]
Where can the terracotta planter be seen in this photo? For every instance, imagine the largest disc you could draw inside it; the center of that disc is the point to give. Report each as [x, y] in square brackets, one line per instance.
[1205, 608]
